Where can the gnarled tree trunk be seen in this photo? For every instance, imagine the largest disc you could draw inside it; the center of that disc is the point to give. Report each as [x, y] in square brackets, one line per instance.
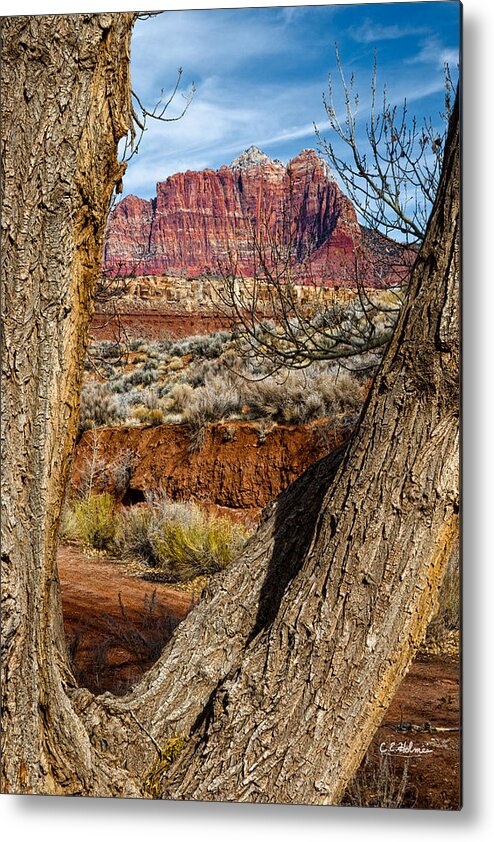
[65, 104]
[279, 677]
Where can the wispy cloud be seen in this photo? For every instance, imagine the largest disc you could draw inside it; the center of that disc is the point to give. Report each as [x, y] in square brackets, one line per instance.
[368, 32]
[261, 73]
[204, 42]
[221, 122]
[433, 52]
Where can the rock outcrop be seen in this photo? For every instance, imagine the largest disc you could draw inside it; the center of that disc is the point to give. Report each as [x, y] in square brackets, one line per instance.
[209, 222]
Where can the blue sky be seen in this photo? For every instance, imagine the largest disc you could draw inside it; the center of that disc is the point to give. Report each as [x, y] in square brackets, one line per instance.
[260, 74]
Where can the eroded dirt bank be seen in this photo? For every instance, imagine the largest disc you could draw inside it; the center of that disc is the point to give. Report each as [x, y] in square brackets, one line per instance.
[153, 324]
[234, 465]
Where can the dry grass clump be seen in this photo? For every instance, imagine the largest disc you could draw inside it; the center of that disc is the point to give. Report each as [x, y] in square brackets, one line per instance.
[148, 417]
[180, 540]
[381, 783]
[93, 521]
[177, 539]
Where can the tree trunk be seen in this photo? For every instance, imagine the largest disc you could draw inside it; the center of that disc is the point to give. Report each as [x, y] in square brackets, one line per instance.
[65, 104]
[279, 677]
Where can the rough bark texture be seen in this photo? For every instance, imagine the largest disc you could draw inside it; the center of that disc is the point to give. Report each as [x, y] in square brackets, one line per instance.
[65, 104]
[279, 677]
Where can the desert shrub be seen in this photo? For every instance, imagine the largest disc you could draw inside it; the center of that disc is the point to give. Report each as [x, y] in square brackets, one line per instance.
[175, 364]
[212, 402]
[68, 530]
[178, 398]
[162, 347]
[107, 349]
[200, 380]
[194, 546]
[139, 414]
[148, 417]
[117, 386]
[93, 521]
[303, 396]
[341, 393]
[209, 346]
[141, 376]
[98, 407]
[136, 534]
[304, 409]
[179, 539]
[155, 417]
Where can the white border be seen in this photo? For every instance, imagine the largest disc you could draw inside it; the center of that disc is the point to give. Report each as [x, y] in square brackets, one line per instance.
[86, 819]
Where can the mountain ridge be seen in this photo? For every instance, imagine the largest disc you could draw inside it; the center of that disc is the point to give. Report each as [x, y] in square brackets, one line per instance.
[211, 222]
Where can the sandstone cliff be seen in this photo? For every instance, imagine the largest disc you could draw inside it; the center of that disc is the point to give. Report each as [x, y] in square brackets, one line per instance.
[202, 222]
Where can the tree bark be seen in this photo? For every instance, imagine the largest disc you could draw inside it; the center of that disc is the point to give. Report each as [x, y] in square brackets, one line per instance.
[65, 104]
[279, 677]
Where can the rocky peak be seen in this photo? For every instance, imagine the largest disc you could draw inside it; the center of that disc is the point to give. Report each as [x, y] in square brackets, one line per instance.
[253, 157]
[309, 158]
[189, 229]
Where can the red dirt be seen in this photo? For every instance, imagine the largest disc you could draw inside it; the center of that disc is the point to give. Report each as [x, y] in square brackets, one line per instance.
[116, 625]
[237, 465]
[424, 716]
[153, 324]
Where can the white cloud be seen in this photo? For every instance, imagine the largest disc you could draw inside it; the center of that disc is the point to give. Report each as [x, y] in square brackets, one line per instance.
[202, 42]
[369, 32]
[432, 51]
[222, 121]
[244, 96]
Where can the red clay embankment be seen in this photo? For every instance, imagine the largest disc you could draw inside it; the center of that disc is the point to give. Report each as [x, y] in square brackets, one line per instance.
[236, 466]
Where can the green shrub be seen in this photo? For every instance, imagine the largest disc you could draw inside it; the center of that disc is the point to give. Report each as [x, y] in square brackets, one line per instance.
[95, 521]
[196, 546]
[179, 539]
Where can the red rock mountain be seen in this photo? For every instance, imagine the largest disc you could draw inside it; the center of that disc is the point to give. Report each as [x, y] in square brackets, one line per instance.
[207, 222]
